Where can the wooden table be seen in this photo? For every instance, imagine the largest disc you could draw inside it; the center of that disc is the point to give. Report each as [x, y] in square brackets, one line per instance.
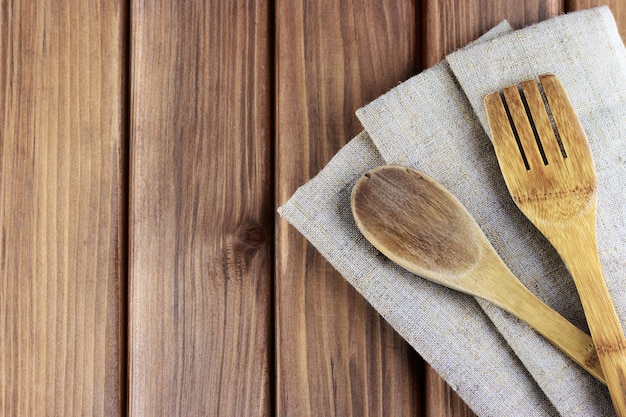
[145, 147]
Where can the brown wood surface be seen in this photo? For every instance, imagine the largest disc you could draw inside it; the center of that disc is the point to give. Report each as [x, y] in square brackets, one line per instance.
[201, 209]
[62, 192]
[229, 106]
[451, 24]
[335, 356]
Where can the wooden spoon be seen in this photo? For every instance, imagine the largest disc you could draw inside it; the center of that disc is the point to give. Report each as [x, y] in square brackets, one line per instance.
[419, 224]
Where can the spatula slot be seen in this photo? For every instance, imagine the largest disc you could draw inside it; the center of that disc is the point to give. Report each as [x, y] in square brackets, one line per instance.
[552, 121]
[515, 133]
[532, 124]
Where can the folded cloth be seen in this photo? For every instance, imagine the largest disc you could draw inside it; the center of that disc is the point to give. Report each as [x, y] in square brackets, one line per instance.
[435, 122]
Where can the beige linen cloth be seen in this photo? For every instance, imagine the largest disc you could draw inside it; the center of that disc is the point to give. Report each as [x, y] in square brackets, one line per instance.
[436, 122]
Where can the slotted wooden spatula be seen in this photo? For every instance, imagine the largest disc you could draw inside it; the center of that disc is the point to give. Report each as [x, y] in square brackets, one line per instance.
[546, 162]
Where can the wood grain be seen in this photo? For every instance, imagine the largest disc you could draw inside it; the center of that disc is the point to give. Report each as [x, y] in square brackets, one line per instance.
[201, 213]
[448, 25]
[62, 172]
[451, 24]
[440, 400]
[201, 210]
[335, 355]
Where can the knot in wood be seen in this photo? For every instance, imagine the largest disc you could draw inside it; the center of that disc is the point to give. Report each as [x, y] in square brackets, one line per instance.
[252, 234]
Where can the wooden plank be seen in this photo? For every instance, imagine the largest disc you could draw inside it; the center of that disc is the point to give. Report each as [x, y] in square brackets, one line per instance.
[449, 25]
[335, 355]
[62, 173]
[201, 209]
[440, 400]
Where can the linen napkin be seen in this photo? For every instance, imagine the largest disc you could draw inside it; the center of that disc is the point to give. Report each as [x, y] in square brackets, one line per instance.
[436, 122]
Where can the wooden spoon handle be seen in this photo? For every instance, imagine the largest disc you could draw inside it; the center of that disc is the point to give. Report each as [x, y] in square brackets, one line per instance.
[555, 328]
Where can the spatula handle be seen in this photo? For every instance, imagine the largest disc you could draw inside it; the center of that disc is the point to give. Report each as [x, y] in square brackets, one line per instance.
[577, 246]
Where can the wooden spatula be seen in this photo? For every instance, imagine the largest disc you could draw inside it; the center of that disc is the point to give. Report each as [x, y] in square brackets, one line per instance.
[546, 162]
